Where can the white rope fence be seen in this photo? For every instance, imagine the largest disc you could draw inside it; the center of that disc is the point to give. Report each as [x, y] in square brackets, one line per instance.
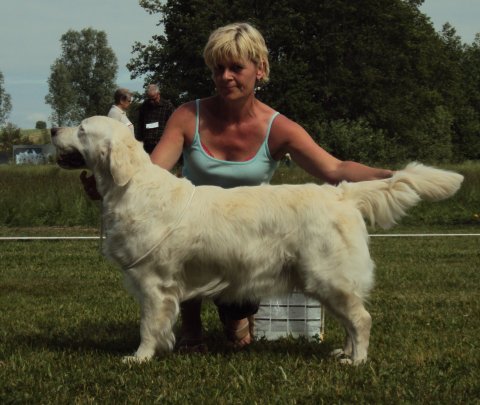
[49, 238]
[421, 235]
[387, 235]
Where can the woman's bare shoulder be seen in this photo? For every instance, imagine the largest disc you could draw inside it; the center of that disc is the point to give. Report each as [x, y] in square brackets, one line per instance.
[285, 133]
[187, 108]
[183, 116]
[284, 127]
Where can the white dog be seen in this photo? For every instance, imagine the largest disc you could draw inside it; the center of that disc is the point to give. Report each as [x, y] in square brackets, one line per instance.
[175, 241]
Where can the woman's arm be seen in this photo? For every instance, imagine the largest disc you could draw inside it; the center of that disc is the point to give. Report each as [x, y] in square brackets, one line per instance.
[168, 150]
[289, 137]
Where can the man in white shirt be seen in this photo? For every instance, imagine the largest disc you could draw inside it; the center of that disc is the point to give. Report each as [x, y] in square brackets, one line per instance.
[122, 99]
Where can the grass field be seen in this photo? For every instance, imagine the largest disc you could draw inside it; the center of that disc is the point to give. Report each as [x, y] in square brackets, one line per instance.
[66, 321]
[50, 196]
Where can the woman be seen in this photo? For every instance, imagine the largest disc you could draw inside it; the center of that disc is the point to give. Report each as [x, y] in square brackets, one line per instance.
[118, 111]
[233, 139]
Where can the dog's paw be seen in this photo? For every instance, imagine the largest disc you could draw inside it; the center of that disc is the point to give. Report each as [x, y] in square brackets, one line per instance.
[337, 353]
[134, 359]
[345, 360]
[341, 356]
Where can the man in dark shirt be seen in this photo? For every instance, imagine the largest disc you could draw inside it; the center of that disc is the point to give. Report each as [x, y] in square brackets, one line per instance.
[152, 118]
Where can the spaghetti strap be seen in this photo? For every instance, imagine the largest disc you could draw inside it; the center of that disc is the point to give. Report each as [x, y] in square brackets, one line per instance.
[201, 168]
[270, 125]
[197, 118]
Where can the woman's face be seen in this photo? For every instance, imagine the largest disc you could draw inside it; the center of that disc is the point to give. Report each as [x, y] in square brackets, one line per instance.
[125, 103]
[236, 79]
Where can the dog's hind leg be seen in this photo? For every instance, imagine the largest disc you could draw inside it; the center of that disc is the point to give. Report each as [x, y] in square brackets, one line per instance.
[350, 311]
[159, 311]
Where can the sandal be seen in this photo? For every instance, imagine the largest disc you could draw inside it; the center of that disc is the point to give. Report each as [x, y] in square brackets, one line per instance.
[241, 336]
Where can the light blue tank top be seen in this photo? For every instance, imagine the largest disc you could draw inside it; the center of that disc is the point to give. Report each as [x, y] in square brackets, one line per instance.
[202, 169]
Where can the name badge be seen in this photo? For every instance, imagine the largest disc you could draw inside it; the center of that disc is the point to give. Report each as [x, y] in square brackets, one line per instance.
[151, 125]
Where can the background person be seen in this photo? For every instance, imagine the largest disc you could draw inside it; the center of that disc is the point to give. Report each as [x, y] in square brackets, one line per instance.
[122, 99]
[153, 115]
[233, 139]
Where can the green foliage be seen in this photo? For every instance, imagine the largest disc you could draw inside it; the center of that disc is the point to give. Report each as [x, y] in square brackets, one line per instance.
[175, 60]
[5, 102]
[82, 79]
[435, 147]
[9, 135]
[355, 140]
[67, 321]
[376, 64]
[40, 125]
[35, 136]
[467, 105]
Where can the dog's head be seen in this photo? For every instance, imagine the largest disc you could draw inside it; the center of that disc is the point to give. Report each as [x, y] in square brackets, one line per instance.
[101, 144]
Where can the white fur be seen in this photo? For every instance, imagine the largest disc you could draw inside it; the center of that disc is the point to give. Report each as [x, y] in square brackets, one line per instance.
[242, 243]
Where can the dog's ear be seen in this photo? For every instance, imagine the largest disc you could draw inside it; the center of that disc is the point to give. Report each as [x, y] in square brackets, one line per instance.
[125, 157]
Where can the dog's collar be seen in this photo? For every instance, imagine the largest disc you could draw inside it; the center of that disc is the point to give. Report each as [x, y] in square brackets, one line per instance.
[167, 233]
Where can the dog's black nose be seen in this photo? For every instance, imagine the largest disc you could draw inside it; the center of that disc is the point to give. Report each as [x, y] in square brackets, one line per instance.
[53, 131]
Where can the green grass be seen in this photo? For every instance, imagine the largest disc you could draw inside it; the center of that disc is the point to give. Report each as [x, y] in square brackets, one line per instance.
[50, 196]
[66, 321]
[44, 196]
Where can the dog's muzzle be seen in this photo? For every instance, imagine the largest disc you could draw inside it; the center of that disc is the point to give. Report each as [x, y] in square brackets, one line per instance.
[72, 160]
[69, 160]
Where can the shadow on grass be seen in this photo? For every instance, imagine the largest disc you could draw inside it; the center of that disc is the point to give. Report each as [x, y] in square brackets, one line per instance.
[217, 344]
[110, 338]
[123, 338]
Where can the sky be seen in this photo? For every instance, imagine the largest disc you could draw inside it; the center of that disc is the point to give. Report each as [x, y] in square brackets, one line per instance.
[30, 32]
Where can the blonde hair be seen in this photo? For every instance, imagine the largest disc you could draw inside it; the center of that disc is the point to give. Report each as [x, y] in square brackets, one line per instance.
[238, 42]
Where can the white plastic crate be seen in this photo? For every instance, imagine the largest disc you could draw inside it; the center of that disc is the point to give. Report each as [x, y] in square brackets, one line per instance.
[294, 315]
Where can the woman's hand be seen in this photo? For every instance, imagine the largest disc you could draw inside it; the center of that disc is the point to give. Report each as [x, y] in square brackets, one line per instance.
[90, 186]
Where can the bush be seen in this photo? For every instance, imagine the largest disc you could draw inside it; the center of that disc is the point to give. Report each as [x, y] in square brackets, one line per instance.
[431, 140]
[9, 136]
[35, 136]
[466, 141]
[354, 140]
[40, 125]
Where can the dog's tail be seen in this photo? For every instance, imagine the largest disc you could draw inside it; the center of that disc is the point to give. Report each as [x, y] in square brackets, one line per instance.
[383, 202]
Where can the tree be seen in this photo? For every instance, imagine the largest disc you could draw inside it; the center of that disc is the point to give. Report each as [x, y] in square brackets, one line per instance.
[10, 135]
[374, 66]
[40, 125]
[82, 79]
[5, 102]
[467, 123]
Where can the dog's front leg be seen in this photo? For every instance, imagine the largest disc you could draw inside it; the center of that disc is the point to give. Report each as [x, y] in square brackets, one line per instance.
[159, 311]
